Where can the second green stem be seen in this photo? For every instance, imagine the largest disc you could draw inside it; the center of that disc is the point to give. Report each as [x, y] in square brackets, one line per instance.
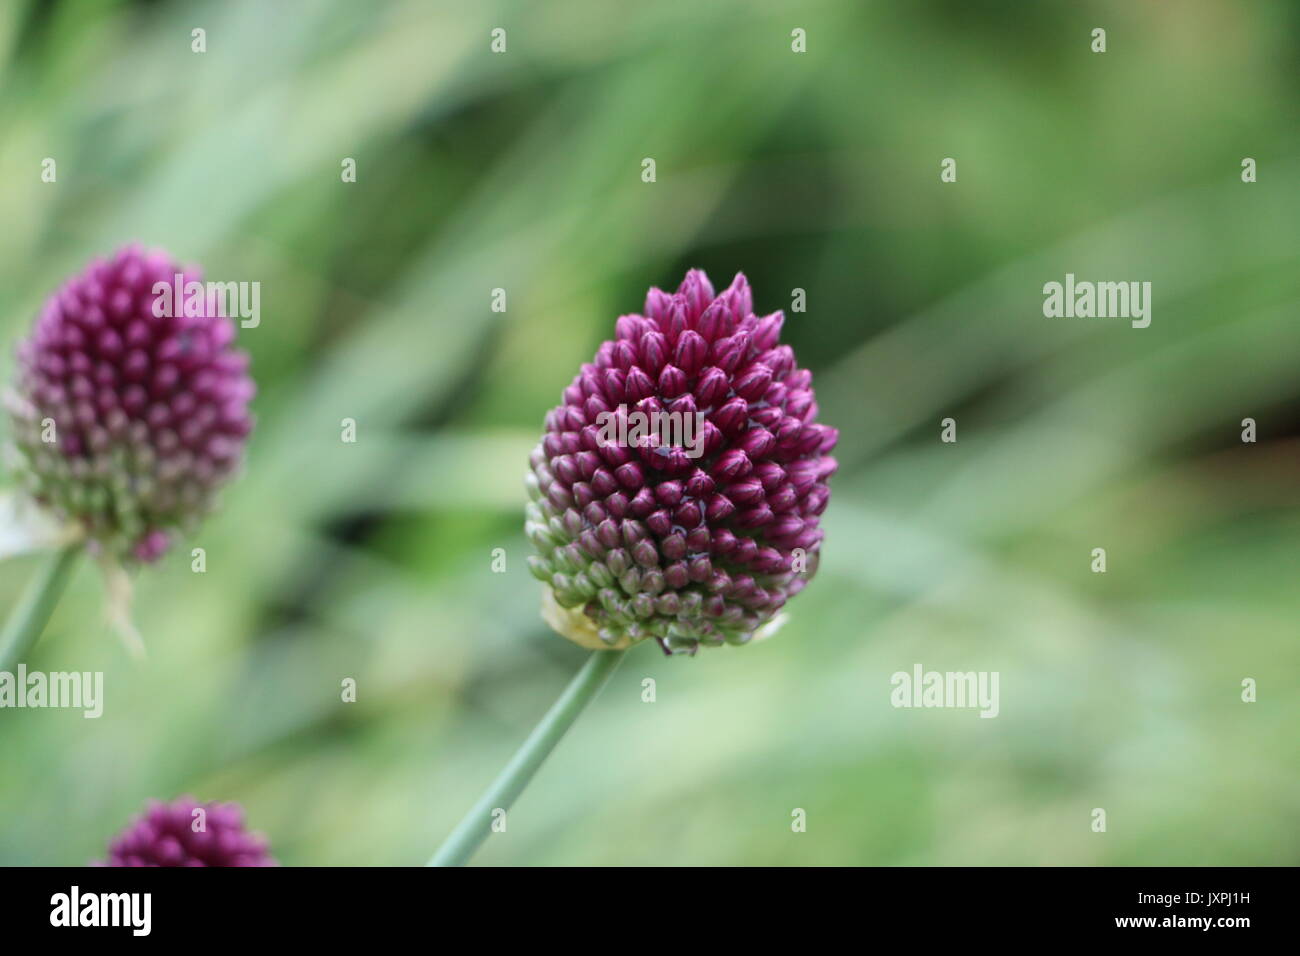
[32, 613]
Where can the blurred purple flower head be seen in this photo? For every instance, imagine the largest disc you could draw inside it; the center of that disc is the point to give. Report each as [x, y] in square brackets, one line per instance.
[698, 539]
[173, 834]
[127, 421]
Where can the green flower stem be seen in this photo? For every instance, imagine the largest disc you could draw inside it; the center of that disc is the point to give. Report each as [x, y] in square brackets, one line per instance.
[474, 828]
[29, 617]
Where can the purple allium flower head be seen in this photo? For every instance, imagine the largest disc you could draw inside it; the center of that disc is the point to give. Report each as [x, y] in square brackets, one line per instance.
[695, 539]
[174, 834]
[126, 421]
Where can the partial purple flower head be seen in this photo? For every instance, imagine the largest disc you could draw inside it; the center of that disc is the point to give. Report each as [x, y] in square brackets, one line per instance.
[187, 833]
[130, 406]
[676, 493]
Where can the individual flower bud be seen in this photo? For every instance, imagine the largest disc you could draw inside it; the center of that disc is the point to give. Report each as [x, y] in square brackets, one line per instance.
[130, 405]
[187, 833]
[688, 543]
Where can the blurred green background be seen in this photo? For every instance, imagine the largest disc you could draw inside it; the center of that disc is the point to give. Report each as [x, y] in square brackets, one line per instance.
[817, 171]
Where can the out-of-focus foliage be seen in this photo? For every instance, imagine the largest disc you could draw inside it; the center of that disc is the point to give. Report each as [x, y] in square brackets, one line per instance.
[817, 171]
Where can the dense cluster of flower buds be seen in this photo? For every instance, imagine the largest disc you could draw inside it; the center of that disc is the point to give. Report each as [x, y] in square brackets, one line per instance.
[187, 833]
[127, 421]
[693, 534]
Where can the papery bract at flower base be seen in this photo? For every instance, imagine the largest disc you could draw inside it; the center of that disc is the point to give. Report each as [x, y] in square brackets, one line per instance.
[693, 542]
[125, 421]
[173, 834]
